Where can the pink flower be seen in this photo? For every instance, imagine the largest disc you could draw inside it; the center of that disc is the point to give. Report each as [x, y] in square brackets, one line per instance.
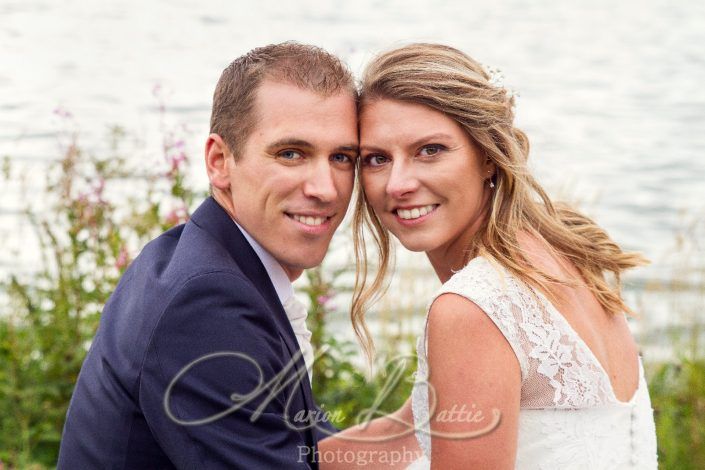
[62, 113]
[176, 161]
[98, 190]
[122, 259]
[177, 216]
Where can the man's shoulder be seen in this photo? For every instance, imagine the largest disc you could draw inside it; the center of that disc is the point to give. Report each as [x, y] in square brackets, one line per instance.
[182, 258]
[183, 252]
[179, 280]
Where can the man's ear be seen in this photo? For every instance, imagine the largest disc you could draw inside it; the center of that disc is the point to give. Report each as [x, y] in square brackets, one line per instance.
[217, 164]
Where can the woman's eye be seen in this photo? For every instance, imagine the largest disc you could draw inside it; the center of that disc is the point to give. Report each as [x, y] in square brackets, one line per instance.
[289, 155]
[375, 160]
[431, 150]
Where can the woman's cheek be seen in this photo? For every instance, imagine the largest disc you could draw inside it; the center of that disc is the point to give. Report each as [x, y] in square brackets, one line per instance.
[373, 186]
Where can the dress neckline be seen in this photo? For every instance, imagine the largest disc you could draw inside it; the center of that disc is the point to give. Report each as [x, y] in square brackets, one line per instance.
[556, 314]
[559, 317]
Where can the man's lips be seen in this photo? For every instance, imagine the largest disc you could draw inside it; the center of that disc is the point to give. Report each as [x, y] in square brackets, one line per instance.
[311, 218]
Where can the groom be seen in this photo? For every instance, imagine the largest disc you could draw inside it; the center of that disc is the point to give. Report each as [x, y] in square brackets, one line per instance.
[201, 355]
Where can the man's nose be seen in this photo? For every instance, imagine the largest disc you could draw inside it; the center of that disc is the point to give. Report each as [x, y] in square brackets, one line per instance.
[402, 179]
[320, 182]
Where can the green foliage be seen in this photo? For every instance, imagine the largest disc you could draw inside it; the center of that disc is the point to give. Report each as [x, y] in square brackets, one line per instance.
[89, 229]
[678, 397]
[86, 240]
[339, 385]
[349, 396]
[677, 387]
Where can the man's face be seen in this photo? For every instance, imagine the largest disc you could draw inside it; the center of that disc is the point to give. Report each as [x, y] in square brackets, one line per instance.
[291, 185]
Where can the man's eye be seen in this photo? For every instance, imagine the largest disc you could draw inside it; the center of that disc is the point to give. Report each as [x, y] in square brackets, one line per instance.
[341, 158]
[374, 160]
[431, 150]
[289, 155]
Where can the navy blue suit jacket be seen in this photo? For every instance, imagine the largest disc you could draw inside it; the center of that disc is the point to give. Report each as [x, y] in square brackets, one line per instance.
[197, 292]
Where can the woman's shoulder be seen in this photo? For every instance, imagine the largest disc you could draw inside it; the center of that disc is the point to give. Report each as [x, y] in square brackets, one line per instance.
[489, 287]
[490, 275]
[481, 275]
[488, 300]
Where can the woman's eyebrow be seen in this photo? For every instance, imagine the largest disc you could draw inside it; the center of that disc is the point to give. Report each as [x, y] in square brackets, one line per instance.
[423, 140]
[371, 148]
[429, 138]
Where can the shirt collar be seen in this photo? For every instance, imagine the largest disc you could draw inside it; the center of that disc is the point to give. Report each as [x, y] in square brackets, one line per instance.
[281, 282]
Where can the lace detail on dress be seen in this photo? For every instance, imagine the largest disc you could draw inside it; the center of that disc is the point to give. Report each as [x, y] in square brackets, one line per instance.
[558, 371]
[419, 400]
[563, 383]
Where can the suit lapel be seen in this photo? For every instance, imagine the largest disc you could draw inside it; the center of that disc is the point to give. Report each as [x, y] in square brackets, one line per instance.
[213, 218]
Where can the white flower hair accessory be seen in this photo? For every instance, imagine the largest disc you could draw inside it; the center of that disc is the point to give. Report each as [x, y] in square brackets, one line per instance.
[496, 79]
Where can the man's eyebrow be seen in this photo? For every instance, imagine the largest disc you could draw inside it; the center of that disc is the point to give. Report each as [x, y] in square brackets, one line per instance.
[294, 142]
[289, 142]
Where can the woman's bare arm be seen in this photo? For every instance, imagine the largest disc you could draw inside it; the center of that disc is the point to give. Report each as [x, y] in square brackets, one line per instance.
[472, 371]
[386, 442]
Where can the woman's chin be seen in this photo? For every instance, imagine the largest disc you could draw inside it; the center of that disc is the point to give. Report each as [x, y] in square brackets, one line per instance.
[416, 245]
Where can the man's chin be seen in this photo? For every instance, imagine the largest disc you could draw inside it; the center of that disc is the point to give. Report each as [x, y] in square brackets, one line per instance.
[295, 266]
[311, 262]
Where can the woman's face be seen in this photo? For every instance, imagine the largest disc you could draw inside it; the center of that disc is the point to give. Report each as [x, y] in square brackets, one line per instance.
[423, 176]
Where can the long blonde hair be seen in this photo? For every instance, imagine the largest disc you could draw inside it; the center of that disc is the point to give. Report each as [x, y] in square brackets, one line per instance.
[447, 80]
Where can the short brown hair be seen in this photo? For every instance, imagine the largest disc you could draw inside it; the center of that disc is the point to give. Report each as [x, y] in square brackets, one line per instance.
[308, 67]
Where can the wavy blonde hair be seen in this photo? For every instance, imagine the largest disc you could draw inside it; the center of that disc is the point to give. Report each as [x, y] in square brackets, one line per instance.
[447, 80]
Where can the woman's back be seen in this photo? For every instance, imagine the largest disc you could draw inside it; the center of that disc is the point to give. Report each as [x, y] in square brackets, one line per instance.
[606, 335]
[570, 415]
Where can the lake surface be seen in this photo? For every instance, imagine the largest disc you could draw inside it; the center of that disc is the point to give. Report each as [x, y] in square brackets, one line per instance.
[612, 94]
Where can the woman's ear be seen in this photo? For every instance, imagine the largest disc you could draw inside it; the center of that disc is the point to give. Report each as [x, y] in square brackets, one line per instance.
[489, 168]
[218, 162]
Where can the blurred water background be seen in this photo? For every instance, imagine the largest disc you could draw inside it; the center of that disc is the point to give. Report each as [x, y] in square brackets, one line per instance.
[611, 95]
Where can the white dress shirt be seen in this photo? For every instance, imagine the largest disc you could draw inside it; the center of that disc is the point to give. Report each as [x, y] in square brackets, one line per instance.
[294, 308]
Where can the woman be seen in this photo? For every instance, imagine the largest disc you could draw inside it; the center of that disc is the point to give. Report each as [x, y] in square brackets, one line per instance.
[527, 334]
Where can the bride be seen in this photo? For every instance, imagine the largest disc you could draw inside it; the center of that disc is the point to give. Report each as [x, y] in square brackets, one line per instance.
[528, 333]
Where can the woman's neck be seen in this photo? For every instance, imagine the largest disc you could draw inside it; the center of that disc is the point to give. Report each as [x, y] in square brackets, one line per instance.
[452, 256]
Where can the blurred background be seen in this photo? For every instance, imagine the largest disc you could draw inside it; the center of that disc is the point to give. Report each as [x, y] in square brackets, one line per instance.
[104, 110]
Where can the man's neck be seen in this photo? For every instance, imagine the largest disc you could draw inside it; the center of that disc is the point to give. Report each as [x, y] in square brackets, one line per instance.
[281, 279]
[225, 202]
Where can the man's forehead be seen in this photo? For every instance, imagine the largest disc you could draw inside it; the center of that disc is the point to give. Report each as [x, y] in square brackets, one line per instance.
[288, 114]
[280, 91]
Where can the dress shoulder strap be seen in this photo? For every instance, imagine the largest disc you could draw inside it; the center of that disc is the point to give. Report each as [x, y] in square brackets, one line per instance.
[498, 294]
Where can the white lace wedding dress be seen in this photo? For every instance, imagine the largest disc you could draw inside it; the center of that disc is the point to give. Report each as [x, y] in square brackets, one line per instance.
[569, 417]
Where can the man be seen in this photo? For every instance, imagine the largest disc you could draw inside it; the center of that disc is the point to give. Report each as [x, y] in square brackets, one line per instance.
[196, 363]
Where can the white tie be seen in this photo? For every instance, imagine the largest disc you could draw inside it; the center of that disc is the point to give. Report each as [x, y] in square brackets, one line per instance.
[297, 313]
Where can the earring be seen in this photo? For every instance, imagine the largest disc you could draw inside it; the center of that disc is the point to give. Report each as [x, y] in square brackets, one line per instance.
[490, 178]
